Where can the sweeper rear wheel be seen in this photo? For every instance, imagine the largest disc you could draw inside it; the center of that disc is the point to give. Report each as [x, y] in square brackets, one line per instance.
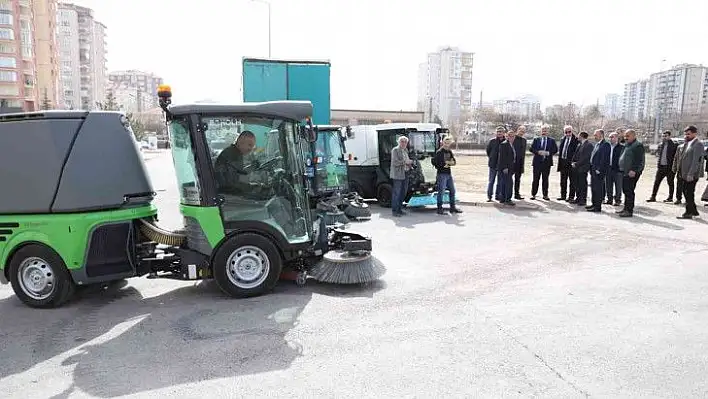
[247, 265]
[342, 267]
[40, 278]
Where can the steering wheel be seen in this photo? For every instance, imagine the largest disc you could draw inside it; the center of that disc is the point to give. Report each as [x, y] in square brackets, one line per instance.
[269, 163]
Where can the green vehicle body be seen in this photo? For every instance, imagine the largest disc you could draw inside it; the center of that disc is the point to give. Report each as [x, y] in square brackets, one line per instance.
[67, 234]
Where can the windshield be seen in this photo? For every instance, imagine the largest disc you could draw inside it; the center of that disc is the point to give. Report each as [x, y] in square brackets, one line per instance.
[422, 145]
[257, 172]
[331, 168]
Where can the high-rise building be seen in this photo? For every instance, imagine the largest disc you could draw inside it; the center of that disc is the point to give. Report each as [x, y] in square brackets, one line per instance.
[613, 106]
[635, 100]
[47, 56]
[18, 65]
[445, 85]
[681, 90]
[135, 81]
[526, 107]
[82, 56]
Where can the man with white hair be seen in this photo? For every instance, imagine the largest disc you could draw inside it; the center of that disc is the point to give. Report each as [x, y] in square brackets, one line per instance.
[442, 161]
[400, 165]
[568, 144]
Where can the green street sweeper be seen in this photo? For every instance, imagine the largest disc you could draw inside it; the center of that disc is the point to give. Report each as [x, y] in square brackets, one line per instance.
[81, 209]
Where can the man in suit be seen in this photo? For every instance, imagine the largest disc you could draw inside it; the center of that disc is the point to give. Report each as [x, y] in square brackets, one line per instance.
[631, 165]
[613, 180]
[599, 167]
[520, 144]
[492, 159]
[690, 169]
[665, 154]
[581, 166]
[505, 166]
[679, 181]
[543, 149]
[568, 145]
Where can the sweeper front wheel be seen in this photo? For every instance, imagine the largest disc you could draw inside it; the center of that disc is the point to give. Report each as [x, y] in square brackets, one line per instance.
[383, 195]
[40, 278]
[247, 265]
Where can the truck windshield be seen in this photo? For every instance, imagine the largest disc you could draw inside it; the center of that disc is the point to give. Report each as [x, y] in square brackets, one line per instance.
[331, 169]
[257, 172]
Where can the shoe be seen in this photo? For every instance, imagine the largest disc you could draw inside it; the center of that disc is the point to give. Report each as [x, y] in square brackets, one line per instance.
[455, 210]
[518, 197]
[678, 202]
[510, 203]
[669, 200]
[546, 198]
[685, 216]
[489, 200]
[608, 202]
[397, 214]
[572, 201]
[652, 199]
[441, 212]
[589, 206]
[581, 203]
[625, 214]
[560, 199]
[533, 198]
[618, 203]
[593, 209]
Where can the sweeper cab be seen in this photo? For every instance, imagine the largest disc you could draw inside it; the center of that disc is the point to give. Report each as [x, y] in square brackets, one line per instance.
[326, 161]
[85, 214]
[370, 165]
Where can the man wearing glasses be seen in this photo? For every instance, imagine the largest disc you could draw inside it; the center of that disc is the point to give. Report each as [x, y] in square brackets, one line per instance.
[565, 158]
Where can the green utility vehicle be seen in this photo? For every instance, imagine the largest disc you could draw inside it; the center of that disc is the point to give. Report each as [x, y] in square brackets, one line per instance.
[81, 209]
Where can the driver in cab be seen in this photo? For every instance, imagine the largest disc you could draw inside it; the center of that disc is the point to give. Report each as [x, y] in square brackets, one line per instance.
[230, 169]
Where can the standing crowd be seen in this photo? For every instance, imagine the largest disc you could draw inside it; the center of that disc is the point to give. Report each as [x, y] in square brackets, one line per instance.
[614, 166]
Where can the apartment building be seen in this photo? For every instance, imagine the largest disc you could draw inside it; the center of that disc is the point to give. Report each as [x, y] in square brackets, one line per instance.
[82, 57]
[445, 85]
[526, 107]
[135, 81]
[17, 57]
[613, 106]
[46, 53]
[681, 90]
[132, 99]
[635, 100]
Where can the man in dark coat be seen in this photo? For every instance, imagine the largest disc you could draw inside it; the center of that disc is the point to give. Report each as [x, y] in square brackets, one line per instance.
[520, 145]
[665, 154]
[492, 159]
[581, 168]
[505, 166]
[567, 148]
[631, 165]
[613, 180]
[543, 149]
[599, 167]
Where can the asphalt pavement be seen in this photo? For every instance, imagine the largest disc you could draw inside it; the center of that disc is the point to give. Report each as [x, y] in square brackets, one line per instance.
[544, 302]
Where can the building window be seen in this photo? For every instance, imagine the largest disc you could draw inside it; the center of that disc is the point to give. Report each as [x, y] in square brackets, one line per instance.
[7, 34]
[8, 62]
[9, 90]
[5, 19]
[6, 48]
[4, 103]
[8, 76]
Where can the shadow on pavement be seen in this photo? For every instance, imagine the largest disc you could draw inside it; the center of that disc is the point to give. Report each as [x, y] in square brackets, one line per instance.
[417, 216]
[122, 343]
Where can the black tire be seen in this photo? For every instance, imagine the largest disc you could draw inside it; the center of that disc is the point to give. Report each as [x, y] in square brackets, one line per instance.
[383, 195]
[39, 257]
[261, 249]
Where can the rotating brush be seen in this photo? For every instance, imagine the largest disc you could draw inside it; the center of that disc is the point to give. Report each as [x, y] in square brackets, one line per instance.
[341, 267]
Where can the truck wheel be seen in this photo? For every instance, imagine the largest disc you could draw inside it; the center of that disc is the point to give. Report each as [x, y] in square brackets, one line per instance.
[247, 265]
[40, 278]
[383, 195]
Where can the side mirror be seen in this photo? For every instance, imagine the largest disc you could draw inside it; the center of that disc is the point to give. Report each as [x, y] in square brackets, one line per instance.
[349, 132]
[308, 132]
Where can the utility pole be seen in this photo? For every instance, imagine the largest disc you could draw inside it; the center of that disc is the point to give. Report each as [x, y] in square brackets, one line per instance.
[479, 115]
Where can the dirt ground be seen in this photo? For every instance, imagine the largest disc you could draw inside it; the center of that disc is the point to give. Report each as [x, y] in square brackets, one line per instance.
[471, 174]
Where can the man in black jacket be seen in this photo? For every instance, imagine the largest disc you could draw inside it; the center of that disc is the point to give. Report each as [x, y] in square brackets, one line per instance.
[493, 157]
[613, 180]
[543, 149]
[520, 146]
[568, 145]
[505, 166]
[442, 161]
[665, 154]
[581, 167]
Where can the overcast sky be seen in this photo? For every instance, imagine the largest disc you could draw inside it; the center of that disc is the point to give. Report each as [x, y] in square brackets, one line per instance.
[560, 50]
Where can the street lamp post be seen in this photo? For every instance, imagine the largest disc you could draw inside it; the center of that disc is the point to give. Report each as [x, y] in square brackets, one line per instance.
[267, 3]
